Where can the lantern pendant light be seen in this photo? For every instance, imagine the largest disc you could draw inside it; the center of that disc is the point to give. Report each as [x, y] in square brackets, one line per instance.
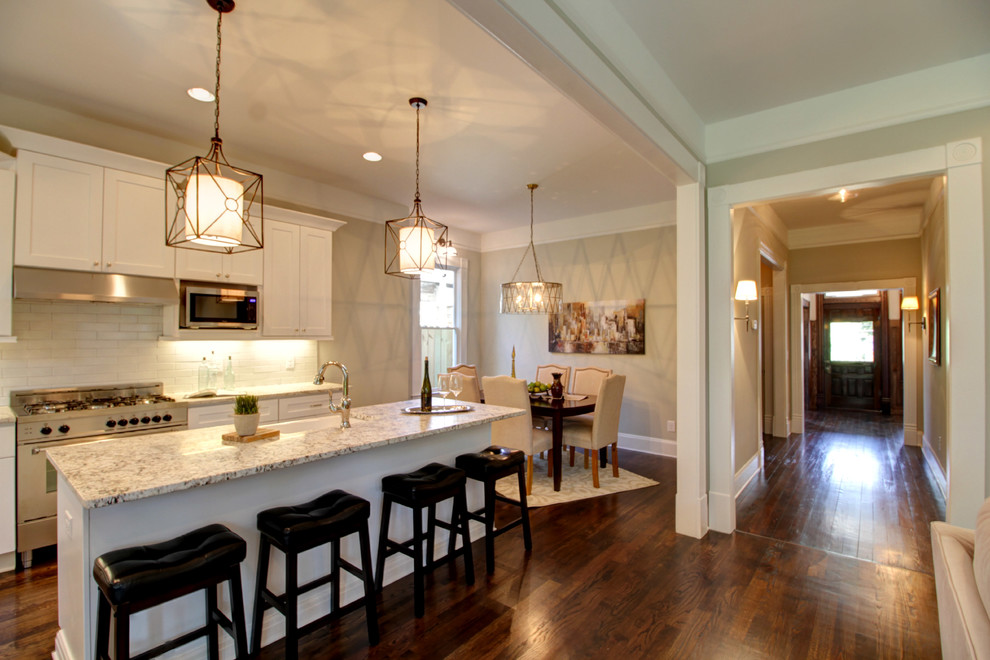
[538, 296]
[412, 243]
[211, 205]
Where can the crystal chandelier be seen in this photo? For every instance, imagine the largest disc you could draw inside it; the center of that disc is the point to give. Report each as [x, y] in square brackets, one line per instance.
[536, 297]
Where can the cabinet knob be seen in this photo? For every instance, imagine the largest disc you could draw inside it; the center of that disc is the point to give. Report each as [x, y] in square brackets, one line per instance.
[218, 274]
[227, 276]
[109, 264]
[96, 264]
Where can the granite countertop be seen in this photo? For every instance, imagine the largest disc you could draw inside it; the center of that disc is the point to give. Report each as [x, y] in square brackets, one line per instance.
[116, 470]
[260, 391]
[7, 415]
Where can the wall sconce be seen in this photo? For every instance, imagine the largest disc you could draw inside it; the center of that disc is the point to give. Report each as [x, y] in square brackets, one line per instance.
[910, 304]
[745, 292]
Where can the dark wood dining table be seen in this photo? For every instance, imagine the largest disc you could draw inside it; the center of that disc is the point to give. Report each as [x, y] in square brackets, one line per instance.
[557, 410]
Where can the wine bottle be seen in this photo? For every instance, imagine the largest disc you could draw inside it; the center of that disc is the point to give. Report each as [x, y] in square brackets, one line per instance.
[426, 394]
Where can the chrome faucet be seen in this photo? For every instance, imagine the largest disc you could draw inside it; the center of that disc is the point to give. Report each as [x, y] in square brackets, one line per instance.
[345, 401]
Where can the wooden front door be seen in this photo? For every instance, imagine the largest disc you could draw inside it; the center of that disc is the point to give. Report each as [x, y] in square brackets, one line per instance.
[851, 356]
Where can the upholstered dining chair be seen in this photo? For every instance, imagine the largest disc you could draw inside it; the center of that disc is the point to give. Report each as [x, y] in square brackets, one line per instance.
[586, 380]
[515, 432]
[604, 430]
[544, 374]
[470, 392]
[472, 371]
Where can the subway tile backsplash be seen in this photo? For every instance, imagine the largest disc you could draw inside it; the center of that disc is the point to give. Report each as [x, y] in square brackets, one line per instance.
[64, 344]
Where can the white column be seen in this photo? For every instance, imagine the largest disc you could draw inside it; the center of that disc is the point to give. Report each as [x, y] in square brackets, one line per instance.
[964, 333]
[721, 443]
[691, 506]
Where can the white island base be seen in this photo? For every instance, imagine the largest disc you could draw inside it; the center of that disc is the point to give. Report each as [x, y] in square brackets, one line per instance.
[89, 527]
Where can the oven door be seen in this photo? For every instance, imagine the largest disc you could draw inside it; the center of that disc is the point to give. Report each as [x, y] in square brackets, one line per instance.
[37, 493]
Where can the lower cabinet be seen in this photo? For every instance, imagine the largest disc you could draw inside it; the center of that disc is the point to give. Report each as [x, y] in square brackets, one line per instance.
[272, 410]
[223, 414]
[8, 524]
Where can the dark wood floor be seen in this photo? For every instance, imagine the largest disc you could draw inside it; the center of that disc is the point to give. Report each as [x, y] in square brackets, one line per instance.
[609, 578]
[848, 485]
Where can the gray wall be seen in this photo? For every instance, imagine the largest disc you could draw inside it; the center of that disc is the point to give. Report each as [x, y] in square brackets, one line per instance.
[640, 264]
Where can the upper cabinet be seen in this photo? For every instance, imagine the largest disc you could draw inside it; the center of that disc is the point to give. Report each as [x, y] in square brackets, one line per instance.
[297, 297]
[240, 268]
[77, 216]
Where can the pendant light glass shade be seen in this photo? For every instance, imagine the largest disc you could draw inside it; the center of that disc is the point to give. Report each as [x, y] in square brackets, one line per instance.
[210, 205]
[535, 297]
[412, 243]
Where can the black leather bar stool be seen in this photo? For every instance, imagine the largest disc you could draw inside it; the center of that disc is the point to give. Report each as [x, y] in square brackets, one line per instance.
[135, 579]
[296, 529]
[426, 487]
[488, 466]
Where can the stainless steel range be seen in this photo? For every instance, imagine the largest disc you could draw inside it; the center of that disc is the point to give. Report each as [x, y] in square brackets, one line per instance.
[64, 416]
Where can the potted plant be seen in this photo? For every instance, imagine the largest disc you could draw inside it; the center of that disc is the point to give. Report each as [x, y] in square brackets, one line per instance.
[246, 414]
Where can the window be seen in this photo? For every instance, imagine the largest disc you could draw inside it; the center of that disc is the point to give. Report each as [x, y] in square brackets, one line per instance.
[851, 341]
[439, 314]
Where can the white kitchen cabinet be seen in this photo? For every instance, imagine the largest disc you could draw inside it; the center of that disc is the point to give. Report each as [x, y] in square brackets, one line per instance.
[298, 281]
[312, 405]
[240, 268]
[223, 414]
[8, 524]
[7, 183]
[78, 216]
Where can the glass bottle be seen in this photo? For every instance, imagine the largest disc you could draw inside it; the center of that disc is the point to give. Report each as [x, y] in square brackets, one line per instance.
[228, 375]
[204, 375]
[426, 393]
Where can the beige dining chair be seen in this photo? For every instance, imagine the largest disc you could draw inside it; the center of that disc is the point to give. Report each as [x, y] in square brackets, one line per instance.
[470, 391]
[586, 381]
[515, 432]
[544, 374]
[469, 370]
[604, 430]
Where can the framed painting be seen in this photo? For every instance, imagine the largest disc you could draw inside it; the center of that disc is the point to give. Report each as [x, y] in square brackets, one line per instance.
[616, 327]
[934, 327]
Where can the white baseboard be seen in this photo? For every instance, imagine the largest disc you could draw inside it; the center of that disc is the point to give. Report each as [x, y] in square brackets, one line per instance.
[648, 445]
[722, 512]
[747, 472]
[912, 437]
[691, 515]
[937, 470]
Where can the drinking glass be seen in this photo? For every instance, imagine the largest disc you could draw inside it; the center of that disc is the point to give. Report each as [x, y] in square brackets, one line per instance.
[456, 384]
[444, 385]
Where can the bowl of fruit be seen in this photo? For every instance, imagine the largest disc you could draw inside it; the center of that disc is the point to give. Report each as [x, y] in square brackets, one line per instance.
[538, 390]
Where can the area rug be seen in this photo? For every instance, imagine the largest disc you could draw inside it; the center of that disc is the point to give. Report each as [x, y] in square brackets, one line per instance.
[575, 483]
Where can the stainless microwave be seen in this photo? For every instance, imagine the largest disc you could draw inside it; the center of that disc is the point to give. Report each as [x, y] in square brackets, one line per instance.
[230, 307]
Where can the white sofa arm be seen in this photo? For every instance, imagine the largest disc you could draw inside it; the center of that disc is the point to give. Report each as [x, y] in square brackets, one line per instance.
[963, 621]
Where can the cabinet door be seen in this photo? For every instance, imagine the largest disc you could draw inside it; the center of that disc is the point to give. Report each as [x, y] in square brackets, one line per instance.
[8, 525]
[198, 265]
[244, 267]
[296, 407]
[133, 227]
[59, 217]
[315, 280]
[280, 303]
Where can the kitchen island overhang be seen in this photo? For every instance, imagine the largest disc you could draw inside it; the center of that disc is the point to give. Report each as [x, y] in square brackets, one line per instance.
[155, 488]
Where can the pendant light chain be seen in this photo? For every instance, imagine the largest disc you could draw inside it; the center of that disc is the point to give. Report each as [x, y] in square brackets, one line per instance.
[216, 95]
[417, 200]
[531, 246]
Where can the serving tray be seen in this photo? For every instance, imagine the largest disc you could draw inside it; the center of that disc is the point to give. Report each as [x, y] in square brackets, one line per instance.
[437, 410]
[260, 434]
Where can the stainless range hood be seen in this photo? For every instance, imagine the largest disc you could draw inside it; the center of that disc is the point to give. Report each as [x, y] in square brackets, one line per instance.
[49, 284]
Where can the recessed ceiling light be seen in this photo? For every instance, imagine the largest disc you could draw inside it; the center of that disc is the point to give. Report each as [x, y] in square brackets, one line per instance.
[200, 94]
[372, 156]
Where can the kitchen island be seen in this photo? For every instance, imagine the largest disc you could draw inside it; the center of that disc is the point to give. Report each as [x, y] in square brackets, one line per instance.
[118, 493]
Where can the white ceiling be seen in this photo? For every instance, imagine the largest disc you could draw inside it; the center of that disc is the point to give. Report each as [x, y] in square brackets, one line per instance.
[309, 85]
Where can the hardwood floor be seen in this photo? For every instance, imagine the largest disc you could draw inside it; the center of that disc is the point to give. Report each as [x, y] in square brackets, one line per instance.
[849, 486]
[608, 577]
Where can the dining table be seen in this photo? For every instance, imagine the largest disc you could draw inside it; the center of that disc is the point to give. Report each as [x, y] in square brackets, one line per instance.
[556, 410]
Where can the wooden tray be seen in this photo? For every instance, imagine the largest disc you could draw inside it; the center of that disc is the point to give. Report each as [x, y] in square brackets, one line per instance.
[260, 434]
